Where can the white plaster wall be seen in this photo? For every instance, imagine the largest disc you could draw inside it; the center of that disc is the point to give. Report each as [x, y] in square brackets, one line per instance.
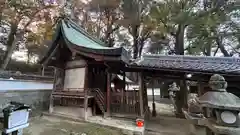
[156, 91]
[23, 85]
[149, 90]
[74, 78]
[76, 63]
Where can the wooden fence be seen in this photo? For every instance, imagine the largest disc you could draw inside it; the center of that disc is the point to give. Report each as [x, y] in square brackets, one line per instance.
[125, 102]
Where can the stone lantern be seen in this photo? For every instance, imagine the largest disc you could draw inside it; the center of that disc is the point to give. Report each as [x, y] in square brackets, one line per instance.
[220, 108]
[173, 89]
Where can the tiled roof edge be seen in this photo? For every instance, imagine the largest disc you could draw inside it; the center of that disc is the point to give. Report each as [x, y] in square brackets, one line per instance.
[208, 59]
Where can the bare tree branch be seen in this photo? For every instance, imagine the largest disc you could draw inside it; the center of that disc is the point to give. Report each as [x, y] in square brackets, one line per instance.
[33, 16]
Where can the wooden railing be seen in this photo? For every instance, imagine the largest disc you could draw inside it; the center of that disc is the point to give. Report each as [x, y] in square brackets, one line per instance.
[75, 96]
[70, 97]
[99, 95]
[100, 99]
[125, 102]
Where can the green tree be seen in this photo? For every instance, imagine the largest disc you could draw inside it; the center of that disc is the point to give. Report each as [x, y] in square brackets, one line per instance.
[98, 17]
[19, 14]
[175, 17]
[38, 42]
[211, 31]
[136, 20]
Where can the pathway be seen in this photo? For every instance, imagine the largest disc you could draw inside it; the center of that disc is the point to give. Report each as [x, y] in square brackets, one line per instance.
[165, 123]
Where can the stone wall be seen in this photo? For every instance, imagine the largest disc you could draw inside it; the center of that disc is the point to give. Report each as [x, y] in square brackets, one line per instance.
[37, 99]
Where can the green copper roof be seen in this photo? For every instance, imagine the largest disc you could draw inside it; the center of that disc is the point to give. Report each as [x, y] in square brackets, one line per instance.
[76, 38]
[79, 37]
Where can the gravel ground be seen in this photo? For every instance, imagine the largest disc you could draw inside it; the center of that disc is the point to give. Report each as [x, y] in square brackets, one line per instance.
[165, 109]
[55, 126]
[164, 124]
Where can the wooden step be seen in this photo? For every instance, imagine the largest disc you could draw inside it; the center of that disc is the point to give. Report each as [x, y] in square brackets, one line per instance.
[70, 96]
[101, 106]
[67, 93]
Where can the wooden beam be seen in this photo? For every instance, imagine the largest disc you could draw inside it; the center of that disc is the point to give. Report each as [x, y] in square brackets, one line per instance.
[140, 94]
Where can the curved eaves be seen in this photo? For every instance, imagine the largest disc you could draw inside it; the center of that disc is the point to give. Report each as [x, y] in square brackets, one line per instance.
[75, 40]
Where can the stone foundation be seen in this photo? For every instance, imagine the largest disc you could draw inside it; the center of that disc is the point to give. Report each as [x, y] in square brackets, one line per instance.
[76, 112]
[38, 100]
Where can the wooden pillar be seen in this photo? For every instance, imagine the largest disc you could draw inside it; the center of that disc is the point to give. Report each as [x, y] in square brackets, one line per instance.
[200, 88]
[160, 96]
[122, 101]
[124, 92]
[86, 93]
[134, 99]
[94, 108]
[43, 70]
[140, 94]
[154, 113]
[108, 93]
[145, 99]
[54, 88]
[124, 80]
[85, 104]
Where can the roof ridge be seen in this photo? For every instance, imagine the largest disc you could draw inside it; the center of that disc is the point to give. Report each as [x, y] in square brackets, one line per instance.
[84, 32]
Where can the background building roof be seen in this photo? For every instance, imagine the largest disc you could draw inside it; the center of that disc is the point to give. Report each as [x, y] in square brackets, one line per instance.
[190, 63]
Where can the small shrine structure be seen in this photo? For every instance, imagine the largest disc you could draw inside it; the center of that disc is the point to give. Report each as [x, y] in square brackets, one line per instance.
[85, 68]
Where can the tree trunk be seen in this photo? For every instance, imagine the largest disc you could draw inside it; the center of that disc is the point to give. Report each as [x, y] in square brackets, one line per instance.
[222, 48]
[141, 44]
[181, 98]
[109, 24]
[28, 57]
[11, 45]
[208, 50]
[135, 41]
[179, 45]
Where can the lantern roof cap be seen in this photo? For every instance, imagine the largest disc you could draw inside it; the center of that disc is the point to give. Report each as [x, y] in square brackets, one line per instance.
[220, 100]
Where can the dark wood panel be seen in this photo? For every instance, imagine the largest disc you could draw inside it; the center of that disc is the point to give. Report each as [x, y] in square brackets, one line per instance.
[125, 102]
